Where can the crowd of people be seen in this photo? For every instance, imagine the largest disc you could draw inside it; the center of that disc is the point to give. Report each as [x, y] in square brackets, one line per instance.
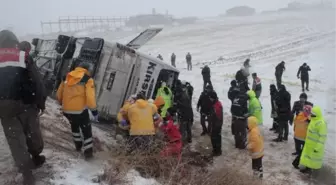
[23, 97]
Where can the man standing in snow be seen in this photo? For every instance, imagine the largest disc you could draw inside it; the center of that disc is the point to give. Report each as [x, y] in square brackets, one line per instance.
[283, 103]
[19, 79]
[274, 114]
[239, 111]
[206, 76]
[216, 117]
[173, 59]
[279, 69]
[188, 59]
[256, 86]
[242, 77]
[233, 91]
[204, 106]
[303, 70]
[76, 95]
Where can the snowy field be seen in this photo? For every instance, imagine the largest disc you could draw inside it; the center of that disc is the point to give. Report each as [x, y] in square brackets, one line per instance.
[266, 40]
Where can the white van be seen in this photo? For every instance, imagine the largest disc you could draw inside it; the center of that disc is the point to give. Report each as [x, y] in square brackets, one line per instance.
[118, 70]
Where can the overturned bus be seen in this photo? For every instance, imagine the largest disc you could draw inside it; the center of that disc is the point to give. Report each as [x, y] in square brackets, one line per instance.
[118, 70]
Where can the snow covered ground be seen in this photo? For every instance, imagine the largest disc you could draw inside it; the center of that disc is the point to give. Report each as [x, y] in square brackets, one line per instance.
[267, 40]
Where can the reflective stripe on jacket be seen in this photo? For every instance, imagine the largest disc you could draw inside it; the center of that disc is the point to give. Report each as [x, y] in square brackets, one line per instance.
[77, 93]
[313, 150]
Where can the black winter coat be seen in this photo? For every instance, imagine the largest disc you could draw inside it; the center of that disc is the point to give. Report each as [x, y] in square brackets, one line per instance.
[283, 103]
[274, 95]
[233, 92]
[206, 72]
[204, 103]
[303, 70]
[279, 69]
[298, 107]
[183, 105]
[239, 107]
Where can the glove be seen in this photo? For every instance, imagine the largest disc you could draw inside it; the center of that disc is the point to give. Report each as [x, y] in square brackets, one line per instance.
[123, 123]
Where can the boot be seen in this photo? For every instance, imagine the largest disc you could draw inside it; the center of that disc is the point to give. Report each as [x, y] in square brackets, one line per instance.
[216, 153]
[28, 178]
[38, 160]
[88, 154]
[277, 140]
[204, 133]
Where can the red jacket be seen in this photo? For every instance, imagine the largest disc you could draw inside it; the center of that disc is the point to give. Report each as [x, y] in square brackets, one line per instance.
[218, 112]
[170, 130]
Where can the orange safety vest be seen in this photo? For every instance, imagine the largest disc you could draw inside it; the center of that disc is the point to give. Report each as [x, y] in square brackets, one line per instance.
[300, 127]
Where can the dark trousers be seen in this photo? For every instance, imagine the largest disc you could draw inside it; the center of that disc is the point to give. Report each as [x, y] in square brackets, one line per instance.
[278, 80]
[303, 82]
[206, 129]
[299, 147]
[189, 66]
[173, 63]
[81, 123]
[239, 131]
[275, 124]
[142, 144]
[216, 137]
[22, 131]
[206, 81]
[185, 129]
[283, 129]
[257, 167]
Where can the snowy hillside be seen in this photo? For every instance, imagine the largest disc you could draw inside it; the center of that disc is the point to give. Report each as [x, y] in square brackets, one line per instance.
[267, 40]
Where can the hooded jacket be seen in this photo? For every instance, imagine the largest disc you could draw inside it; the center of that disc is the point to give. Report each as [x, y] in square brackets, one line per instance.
[279, 69]
[255, 141]
[167, 96]
[254, 108]
[171, 130]
[274, 94]
[141, 117]
[77, 92]
[206, 72]
[204, 102]
[233, 91]
[313, 150]
[304, 72]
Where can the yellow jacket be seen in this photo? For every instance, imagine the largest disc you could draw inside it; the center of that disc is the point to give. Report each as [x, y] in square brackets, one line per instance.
[255, 140]
[122, 114]
[77, 92]
[141, 116]
[300, 127]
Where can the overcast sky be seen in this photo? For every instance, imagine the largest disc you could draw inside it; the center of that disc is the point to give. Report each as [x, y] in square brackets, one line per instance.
[25, 15]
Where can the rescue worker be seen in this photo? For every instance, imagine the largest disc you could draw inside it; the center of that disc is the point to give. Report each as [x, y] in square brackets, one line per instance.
[142, 117]
[188, 59]
[239, 111]
[216, 119]
[173, 135]
[165, 92]
[298, 105]
[77, 96]
[256, 86]
[173, 59]
[185, 113]
[242, 78]
[21, 127]
[233, 91]
[206, 76]
[303, 74]
[279, 69]
[283, 103]
[274, 115]
[254, 108]
[121, 117]
[160, 57]
[255, 146]
[159, 103]
[301, 122]
[313, 150]
[204, 106]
